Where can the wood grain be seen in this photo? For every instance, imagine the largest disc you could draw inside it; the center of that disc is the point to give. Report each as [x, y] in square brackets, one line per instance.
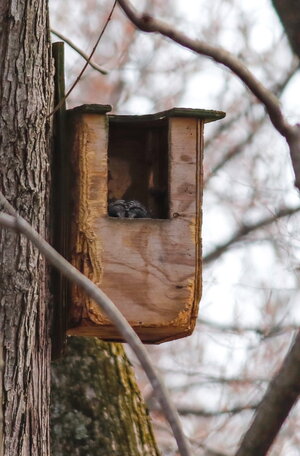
[150, 268]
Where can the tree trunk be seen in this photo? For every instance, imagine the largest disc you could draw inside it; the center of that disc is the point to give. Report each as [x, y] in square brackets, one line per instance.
[103, 393]
[25, 96]
[96, 405]
[289, 14]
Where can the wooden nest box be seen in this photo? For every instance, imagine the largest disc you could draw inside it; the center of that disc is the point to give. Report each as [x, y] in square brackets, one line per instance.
[149, 267]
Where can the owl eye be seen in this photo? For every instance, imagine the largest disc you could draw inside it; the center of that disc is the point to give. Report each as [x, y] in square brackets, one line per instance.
[136, 210]
[127, 209]
[117, 209]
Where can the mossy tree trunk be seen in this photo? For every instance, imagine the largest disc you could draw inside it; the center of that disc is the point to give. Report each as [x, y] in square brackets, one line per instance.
[96, 405]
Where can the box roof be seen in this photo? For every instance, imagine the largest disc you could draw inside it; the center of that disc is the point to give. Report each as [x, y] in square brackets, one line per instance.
[208, 115]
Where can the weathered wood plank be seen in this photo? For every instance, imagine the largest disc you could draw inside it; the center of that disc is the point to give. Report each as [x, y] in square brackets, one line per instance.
[150, 268]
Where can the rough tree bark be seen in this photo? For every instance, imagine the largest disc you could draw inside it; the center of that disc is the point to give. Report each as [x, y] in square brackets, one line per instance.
[96, 405]
[25, 97]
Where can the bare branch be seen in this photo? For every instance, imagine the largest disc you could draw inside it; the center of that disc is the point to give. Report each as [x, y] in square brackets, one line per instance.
[211, 413]
[212, 380]
[205, 379]
[293, 140]
[281, 85]
[263, 332]
[61, 102]
[79, 51]
[18, 224]
[275, 406]
[198, 411]
[278, 89]
[235, 150]
[210, 452]
[246, 229]
[148, 24]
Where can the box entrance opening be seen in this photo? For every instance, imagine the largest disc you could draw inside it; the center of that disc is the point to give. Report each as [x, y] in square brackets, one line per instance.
[138, 162]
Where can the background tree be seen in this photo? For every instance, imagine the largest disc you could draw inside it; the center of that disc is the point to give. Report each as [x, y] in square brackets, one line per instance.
[257, 241]
[248, 312]
[25, 312]
[97, 407]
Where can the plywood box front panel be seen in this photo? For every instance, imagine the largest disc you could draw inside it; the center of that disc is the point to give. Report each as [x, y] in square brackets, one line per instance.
[150, 268]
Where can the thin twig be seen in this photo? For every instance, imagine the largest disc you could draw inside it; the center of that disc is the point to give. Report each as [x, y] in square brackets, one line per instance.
[265, 333]
[213, 380]
[105, 305]
[79, 51]
[61, 102]
[247, 229]
[7, 206]
[198, 411]
[148, 24]
[223, 126]
[235, 150]
[275, 406]
[212, 413]
[278, 89]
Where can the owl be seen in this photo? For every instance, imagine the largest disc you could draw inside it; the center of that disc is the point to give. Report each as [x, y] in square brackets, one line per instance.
[127, 209]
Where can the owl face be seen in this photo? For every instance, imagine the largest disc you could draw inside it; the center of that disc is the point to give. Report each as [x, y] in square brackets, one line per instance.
[117, 209]
[127, 209]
